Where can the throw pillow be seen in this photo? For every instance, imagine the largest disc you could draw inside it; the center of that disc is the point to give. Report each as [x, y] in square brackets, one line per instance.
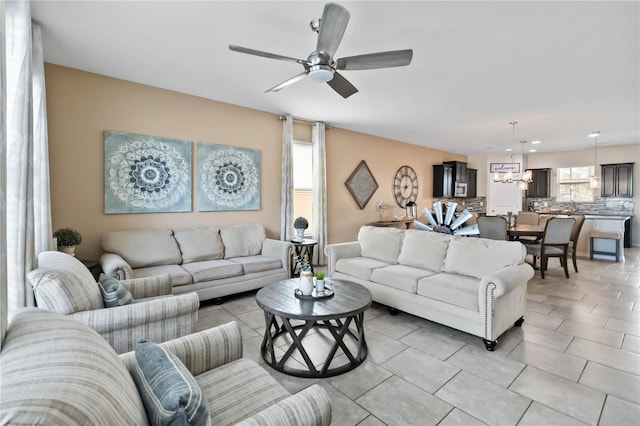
[170, 393]
[113, 292]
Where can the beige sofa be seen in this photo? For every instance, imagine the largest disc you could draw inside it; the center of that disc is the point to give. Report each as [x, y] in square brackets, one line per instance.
[214, 262]
[474, 285]
[57, 371]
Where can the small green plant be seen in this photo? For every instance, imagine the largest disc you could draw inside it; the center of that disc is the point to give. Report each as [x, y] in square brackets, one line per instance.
[320, 275]
[303, 264]
[67, 237]
[300, 223]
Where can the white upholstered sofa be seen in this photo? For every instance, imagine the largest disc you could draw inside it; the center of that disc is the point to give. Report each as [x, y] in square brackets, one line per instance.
[214, 262]
[58, 371]
[474, 285]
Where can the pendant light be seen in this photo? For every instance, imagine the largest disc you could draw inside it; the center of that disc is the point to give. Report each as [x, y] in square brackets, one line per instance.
[523, 180]
[594, 181]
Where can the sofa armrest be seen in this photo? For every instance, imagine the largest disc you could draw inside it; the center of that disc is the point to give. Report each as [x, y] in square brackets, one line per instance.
[145, 312]
[278, 249]
[503, 281]
[338, 251]
[141, 288]
[114, 265]
[201, 351]
[309, 407]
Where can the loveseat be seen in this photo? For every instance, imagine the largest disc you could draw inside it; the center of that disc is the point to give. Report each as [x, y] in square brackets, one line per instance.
[471, 284]
[62, 284]
[58, 371]
[214, 262]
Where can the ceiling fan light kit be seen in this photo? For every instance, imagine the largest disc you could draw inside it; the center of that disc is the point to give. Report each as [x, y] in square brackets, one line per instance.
[320, 65]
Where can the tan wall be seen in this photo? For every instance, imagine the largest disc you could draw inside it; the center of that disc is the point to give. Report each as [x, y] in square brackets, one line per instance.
[82, 105]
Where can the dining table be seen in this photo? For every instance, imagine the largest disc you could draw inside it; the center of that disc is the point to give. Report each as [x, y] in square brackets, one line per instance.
[525, 231]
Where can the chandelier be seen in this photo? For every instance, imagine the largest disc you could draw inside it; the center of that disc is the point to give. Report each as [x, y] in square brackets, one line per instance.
[594, 181]
[523, 179]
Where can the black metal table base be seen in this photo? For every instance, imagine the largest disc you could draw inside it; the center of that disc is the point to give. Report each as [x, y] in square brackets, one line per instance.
[337, 327]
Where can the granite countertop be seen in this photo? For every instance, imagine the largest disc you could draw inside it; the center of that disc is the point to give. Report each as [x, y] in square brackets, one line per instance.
[607, 217]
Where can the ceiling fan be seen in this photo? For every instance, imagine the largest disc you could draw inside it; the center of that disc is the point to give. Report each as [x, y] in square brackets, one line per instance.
[320, 65]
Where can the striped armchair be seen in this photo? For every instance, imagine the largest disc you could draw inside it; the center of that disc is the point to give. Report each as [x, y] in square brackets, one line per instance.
[62, 284]
[59, 371]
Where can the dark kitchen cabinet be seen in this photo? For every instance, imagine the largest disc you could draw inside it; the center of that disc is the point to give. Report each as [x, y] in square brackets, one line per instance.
[540, 187]
[472, 183]
[442, 181]
[617, 180]
[459, 170]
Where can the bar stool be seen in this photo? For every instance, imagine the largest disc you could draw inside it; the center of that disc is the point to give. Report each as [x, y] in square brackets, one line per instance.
[594, 236]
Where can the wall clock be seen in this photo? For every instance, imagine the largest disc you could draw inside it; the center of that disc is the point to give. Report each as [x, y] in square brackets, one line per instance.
[405, 186]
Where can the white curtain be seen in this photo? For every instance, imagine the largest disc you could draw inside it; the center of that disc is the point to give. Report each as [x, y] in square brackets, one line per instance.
[319, 190]
[3, 178]
[286, 206]
[27, 198]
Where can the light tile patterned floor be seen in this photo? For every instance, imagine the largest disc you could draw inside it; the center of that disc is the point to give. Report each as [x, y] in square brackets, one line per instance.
[575, 361]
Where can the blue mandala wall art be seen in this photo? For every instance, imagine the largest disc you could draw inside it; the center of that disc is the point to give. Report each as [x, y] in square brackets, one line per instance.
[228, 178]
[146, 174]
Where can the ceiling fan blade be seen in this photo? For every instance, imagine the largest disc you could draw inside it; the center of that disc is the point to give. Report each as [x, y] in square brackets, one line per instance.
[370, 61]
[332, 27]
[288, 82]
[265, 54]
[342, 85]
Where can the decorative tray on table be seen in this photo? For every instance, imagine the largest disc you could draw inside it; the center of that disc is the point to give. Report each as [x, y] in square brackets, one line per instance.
[327, 293]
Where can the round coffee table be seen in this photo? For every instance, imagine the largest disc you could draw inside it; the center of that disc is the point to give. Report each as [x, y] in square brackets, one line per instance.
[289, 319]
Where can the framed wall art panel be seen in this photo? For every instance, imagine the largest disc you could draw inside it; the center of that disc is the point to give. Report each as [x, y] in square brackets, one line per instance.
[146, 174]
[361, 184]
[228, 178]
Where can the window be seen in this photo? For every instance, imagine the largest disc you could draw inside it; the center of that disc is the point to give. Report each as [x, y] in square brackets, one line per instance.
[303, 182]
[573, 184]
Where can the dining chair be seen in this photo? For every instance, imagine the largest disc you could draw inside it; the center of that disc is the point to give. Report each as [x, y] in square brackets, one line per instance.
[555, 243]
[493, 227]
[575, 234]
[528, 218]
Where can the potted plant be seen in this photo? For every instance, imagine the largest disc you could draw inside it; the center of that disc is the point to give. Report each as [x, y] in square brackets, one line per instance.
[320, 283]
[300, 225]
[67, 240]
[306, 276]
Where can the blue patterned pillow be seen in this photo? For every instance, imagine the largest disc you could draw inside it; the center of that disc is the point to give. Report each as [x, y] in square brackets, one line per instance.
[113, 292]
[170, 394]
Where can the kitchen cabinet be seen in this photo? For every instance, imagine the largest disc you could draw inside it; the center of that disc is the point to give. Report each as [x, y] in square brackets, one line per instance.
[540, 187]
[442, 181]
[617, 180]
[472, 183]
[459, 170]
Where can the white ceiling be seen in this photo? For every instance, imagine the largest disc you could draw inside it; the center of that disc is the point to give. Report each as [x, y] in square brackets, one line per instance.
[561, 69]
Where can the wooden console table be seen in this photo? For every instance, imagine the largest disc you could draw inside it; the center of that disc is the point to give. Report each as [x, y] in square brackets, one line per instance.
[386, 223]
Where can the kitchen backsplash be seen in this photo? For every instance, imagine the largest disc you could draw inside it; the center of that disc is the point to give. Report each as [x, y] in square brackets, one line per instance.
[478, 205]
[601, 206]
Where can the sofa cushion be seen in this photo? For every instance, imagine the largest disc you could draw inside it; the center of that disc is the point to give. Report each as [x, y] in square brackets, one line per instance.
[142, 248]
[177, 275]
[478, 257]
[380, 243]
[196, 244]
[64, 291]
[360, 267]
[208, 270]
[170, 394]
[251, 264]
[57, 371]
[242, 240]
[113, 292]
[454, 289]
[424, 249]
[238, 390]
[401, 277]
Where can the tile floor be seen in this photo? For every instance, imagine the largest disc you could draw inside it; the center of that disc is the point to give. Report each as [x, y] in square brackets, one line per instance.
[575, 360]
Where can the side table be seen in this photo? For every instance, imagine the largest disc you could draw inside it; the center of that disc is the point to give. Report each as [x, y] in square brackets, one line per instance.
[93, 266]
[304, 249]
